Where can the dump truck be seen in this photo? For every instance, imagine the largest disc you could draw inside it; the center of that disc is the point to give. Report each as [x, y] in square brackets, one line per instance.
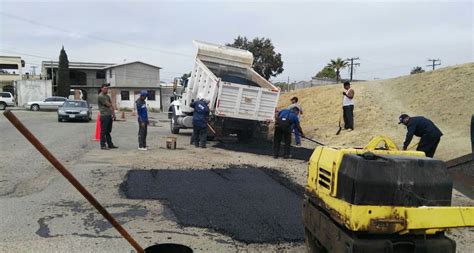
[241, 101]
[379, 199]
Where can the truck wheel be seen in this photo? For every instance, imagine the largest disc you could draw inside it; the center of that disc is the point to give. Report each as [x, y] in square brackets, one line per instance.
[312, 244]
[210, 137]
[3, 106]
[244, 135]
[173, 126]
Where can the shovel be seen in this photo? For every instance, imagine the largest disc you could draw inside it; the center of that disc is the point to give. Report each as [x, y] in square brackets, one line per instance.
[159, 248]
[309, 139]
[340, 121]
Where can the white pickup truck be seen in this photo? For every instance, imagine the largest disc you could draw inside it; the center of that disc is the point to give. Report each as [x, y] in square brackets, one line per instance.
[6, 99]
[241, 101]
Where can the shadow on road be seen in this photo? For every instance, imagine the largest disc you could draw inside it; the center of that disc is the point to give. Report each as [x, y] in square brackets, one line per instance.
[264, 147]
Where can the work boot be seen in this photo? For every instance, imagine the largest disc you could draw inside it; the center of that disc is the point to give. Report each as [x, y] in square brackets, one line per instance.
[104, 148]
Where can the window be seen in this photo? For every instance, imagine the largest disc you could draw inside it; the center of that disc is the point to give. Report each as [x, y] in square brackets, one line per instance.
[5, 95]
[125, 95]
[80, 104]
[110, 73]
[59, 99]
[151, 95]
[100, 74]
[49, 100]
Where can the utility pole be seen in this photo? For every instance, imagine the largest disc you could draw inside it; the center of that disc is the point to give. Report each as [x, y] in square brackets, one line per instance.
[288, 84]
[433, 64]
[353, 64]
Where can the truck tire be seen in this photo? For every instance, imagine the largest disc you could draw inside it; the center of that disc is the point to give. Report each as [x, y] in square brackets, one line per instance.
[244, 135]
[312, 244]
[211, 137]
[173, 126]
[3, 106]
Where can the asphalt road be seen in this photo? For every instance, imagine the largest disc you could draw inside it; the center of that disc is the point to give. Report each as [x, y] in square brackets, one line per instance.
[66, 140]
[42, 212]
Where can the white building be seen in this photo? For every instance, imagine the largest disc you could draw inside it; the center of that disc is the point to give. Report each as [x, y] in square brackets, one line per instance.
[10, 71]
[128, 79]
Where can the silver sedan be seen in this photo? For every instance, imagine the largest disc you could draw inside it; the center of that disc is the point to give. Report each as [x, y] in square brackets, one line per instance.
[51, 103]
[75, 110]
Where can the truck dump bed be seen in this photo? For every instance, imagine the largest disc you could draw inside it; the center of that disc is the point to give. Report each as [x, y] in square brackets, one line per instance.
[243, 94]
[225, 77]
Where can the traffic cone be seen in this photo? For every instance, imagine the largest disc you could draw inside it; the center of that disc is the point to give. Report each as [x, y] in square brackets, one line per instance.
[97, 128]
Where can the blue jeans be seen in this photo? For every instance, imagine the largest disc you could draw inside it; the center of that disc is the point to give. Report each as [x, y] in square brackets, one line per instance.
[297, 134]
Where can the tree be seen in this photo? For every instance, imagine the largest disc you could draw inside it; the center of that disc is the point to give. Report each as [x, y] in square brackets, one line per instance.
[337, 65]
[417, 70]
[327, 72]
[267, 62]
[62, 78]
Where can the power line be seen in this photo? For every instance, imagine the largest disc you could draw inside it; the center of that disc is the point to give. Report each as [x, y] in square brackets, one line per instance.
[434, 63]
[32, 55]
[93, 36]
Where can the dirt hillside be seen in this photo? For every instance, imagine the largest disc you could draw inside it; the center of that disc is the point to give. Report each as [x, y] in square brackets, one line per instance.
[446, 96]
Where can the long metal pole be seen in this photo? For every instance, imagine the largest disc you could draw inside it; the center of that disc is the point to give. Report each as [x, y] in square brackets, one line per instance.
[55, 162]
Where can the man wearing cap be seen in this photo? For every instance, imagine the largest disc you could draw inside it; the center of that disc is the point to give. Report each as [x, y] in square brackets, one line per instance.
[283, 122]
[200, 119]
[294, 103]
[142, 115]
[424, 128]
[107, 113]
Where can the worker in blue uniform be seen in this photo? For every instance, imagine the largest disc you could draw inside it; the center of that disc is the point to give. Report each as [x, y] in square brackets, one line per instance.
[200, 121]
[424, 128]
[283, 123]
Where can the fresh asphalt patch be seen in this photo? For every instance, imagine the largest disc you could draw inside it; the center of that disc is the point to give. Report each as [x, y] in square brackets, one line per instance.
[250, 204]
[264, 147]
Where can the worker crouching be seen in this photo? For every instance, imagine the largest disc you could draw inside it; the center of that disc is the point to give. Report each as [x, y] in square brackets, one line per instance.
[283, 122]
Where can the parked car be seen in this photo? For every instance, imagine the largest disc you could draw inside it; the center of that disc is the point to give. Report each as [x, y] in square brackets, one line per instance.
[6, 99]
[75, 110]
[51, 103]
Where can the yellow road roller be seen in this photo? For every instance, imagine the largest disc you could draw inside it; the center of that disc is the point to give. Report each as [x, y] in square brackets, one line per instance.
[379, 199]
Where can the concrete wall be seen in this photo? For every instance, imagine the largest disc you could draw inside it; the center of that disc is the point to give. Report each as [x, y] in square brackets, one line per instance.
[134, 94]
[314, 82]
[167, 94]
[32, 90]
[133, 75]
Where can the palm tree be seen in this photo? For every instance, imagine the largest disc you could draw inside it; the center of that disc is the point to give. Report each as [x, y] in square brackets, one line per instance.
[337, 65]
[417, 70]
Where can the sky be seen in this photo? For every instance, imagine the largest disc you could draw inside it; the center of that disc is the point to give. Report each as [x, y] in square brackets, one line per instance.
[389, 37]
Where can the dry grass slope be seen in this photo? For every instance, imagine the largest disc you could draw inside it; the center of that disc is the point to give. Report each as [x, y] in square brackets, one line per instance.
[446, 96]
